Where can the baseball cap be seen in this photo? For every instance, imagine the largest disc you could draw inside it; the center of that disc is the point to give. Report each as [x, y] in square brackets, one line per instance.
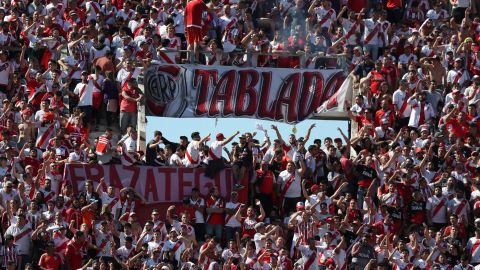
[314, 188]
[458, 59]
[475, 77]
[220, 136]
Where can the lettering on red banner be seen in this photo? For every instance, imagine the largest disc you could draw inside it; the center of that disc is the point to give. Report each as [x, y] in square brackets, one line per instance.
[157, 185]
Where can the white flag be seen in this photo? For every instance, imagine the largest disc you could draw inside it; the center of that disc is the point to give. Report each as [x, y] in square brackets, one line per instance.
[335, 105]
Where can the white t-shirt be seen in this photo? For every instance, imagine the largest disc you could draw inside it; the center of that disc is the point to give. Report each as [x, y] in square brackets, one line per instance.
[216, 148]
[123, 74]
[6, 69]
[259, 242]
[24, 244]
[232, 222]
[85, 93]
[441, 215]
[193, 151]
[322, 13]
[199, 218]
[295, 189]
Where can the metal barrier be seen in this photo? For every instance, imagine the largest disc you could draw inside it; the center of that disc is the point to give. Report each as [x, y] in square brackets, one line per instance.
[250, 58]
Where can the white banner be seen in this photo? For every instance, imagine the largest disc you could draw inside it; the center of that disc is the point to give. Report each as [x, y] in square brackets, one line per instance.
[277, 94]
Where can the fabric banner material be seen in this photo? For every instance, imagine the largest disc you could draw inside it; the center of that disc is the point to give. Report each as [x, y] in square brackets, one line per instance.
[156, 184]
[277, 94]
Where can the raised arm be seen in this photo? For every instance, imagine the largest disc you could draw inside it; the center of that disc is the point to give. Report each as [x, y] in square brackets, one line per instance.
[304, 190]
[307, 136]
[303, 167]
[100, 187]
[205, 138]
[262, 211]
[311, 9]
[279, 136]
[340, 14]
[230, 138]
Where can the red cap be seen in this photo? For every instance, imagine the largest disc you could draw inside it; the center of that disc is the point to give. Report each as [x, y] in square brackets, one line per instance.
[418, 150]
[220, 137]
[314, 188]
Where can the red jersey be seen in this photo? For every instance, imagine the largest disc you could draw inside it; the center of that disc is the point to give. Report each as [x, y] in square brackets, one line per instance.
[377, 79]
[193, 13]
[75, 215]
[50, 261]
[127, 105]
[381, 114]
[215, 218]
[73, 254]
[459, 129]
[35, 163]
[356, 5]
[248, 227]
[266, 186]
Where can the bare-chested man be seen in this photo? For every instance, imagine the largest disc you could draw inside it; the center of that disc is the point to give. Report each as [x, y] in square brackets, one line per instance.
[435, 69]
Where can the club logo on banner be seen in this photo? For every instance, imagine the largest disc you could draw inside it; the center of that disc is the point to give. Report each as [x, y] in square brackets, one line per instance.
[277, 94]
[156, 184]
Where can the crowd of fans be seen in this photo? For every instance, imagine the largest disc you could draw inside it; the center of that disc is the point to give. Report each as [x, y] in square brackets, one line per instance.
[406, 198]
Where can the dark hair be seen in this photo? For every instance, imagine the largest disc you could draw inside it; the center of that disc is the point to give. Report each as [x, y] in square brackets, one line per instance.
[78, 234]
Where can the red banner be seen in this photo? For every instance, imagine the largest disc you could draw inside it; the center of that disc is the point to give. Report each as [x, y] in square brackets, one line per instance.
[156, 184]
